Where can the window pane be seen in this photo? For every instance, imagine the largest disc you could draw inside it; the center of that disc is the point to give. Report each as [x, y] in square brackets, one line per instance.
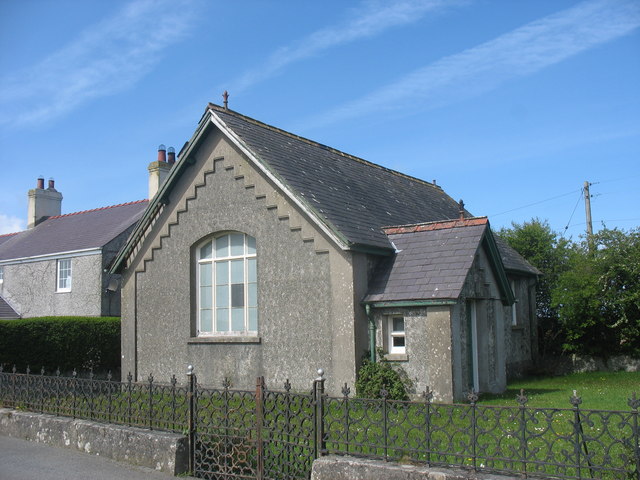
[222, 296]
[253, 319]
[205, 297]
[237, 244]
[251, 245]
[222, 320]
[237, 319]
[252, 275]
[237, 295]
[398, 324]
[206, 321]
[237, 271]
[398, 341]
[252, 295]
[222, 273]
[205, 274]
[205, 251]
[222, 246]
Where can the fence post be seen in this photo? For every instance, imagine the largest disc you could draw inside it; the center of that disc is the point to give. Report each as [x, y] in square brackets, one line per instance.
[522, 400]
[576, 401]
[191, 422]
[634, 403]
[428, 397]
[472, 396]
[150, 401]
[318, 394]
[385, 427]
[259, 422]
[345, 402]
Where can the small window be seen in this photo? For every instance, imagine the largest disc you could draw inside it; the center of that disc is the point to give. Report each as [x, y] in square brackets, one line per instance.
[64, 275]
[1, 275]
[397, 342]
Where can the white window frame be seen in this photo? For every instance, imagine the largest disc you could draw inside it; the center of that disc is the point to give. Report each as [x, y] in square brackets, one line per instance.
[1, 274]
[212, 319]
[64, 275]
[393, 334]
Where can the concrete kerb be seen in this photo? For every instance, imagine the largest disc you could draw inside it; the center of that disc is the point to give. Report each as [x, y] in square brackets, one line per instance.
[335, 467]
[162, 451]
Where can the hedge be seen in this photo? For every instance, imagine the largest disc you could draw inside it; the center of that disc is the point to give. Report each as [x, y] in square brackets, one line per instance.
[61, 342]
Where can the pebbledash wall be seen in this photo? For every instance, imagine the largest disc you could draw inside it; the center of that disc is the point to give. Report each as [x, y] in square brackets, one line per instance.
[309, 315]
[37, 294]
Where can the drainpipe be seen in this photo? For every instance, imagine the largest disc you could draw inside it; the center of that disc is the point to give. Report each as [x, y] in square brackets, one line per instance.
[372, 333]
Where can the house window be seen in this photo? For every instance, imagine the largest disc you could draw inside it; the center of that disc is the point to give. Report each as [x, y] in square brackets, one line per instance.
[1, 275]
[64, 275]
[397, 340]
[227, 285]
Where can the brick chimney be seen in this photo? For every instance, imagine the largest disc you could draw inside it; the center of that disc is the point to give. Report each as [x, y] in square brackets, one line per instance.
[43, 203]
[159, 170]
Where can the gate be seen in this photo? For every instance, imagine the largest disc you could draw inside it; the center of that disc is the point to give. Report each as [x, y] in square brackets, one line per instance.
[260, 434]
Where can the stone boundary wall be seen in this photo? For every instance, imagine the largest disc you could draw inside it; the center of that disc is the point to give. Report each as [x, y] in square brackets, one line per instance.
[334, 467]
[163, 451]
[580, 364]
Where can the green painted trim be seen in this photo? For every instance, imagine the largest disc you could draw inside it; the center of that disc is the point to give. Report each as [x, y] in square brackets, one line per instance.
[372, 334]
[410, 303]
[498, 268]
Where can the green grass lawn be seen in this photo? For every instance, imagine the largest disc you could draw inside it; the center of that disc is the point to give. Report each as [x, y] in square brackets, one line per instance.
[598, 390]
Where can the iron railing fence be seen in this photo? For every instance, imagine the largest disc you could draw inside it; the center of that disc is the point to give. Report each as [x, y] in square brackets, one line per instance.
[567, 443]
[151, 405]
[267, 434]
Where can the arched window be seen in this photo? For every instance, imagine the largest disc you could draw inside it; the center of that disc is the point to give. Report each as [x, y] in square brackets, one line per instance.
[227, 285]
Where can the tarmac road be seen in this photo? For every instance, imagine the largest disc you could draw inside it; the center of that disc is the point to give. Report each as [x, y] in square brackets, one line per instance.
[25, 460]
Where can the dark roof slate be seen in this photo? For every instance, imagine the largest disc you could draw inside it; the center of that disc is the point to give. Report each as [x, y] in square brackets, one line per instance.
[355, 196]
[73, 231]
[430, 264]
[6, 312]
[512, 260]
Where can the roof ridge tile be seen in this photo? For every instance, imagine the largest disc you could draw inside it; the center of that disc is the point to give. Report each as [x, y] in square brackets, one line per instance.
[99, 208]
[355, 158]
[436, 225]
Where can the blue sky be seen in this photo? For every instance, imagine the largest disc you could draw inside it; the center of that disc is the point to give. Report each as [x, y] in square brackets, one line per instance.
[508, 105]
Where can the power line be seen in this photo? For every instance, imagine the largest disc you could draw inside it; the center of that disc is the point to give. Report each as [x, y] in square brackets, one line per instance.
[536, 203]
[566, 227]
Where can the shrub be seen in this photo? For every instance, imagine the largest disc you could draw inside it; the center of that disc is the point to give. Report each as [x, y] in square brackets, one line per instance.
[373, 377]
[60, 342]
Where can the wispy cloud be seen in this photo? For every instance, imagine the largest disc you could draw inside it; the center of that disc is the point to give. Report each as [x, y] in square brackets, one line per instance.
[521, 52]
[9, 224]
[371, 19]
[104, 59]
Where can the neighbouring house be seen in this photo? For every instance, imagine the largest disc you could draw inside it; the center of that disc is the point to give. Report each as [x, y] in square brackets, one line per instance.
[59, 265]
[268, 254]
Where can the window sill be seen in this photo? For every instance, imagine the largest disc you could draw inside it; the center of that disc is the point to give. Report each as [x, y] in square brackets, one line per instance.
[224, 339]
[396, 357]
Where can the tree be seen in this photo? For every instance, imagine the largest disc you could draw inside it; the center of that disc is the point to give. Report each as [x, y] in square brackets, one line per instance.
[548, 252]
[598, 297]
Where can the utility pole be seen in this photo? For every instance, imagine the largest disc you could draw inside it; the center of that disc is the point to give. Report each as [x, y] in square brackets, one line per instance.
[587, 207]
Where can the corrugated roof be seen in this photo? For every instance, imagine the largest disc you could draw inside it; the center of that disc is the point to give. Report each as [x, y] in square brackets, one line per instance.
[431, 263]
[73, 231]
[355, 196]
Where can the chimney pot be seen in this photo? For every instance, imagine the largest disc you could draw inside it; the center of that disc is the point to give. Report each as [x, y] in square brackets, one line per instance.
[171, 155]
[162, 153]
[51, 184]
[40, 183]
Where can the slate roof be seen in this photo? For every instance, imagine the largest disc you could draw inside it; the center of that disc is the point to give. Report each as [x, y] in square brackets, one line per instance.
[512, 260]
[357, 197]
[431, 263]
[6, 312]
[73, 231]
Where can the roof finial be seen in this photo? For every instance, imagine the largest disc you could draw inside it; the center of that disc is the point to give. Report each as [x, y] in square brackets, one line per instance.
[225, 97]
[461, 211]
